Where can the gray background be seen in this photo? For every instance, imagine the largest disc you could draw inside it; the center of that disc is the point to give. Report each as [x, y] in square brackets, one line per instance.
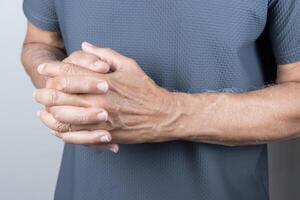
[30, 156]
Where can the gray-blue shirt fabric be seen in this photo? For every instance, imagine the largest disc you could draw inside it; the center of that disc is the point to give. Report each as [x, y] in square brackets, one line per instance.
[190, 46]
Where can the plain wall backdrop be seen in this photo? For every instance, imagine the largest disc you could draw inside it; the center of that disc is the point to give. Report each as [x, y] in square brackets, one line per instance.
[30, 156]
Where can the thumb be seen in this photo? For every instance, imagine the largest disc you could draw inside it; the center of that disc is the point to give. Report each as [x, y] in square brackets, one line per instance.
[111, 57]
[88, 61]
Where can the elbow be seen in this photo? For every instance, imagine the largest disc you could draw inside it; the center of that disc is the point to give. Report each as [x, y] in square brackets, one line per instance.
[24, 59]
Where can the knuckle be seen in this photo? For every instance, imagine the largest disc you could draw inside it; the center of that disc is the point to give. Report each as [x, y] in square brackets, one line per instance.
[54, 113]
[76, 54]
[58, 83]
[107, 50]
[90, 85]
[101, 103]
[67, 83]
[112, 107]
[83, 119]
[86, 101]
[53, 97]
[132, 62]
[68, 69]
[90, 101]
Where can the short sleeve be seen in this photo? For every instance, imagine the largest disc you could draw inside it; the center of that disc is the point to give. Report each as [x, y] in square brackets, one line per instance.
[284, 24]
[42, 14]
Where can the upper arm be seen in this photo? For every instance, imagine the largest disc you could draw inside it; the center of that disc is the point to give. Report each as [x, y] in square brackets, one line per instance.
[284, 25]
[37, 35]
[43, 26]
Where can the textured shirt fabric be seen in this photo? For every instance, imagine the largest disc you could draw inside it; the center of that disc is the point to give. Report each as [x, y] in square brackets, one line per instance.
[188, 46]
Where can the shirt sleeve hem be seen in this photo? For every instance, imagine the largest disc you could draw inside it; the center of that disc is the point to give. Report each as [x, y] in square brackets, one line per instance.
[51, 25]
[289, 57]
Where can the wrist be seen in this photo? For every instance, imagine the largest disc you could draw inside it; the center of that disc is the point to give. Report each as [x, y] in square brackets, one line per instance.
[194, 116]
[178, 109]
[185, 108]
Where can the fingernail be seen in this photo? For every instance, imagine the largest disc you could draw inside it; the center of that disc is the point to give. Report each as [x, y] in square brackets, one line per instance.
[102, 116]
[103, 86]
[34, 94]
[87, 44]
[41, 68]
[114, 149]
[98, 65]
[38, 113]
[105, 138]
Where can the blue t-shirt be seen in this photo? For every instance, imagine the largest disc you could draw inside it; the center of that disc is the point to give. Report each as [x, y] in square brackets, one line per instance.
[189, 46]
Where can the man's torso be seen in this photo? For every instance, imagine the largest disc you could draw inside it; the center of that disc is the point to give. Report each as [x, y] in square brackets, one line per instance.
[189, 46]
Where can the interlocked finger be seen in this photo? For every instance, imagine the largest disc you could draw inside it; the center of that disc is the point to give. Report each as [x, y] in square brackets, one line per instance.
[77, 84]
[51, 97]
[88, 61]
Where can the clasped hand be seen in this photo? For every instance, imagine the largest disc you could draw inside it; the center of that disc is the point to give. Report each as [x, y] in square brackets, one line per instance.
[98, 97]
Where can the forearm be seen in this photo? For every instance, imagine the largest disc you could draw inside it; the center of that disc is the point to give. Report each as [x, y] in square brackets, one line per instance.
[261, 116]
[33, 54]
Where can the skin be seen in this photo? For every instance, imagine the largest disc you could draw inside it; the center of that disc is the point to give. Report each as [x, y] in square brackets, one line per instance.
[42, 46]
[139, 111]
